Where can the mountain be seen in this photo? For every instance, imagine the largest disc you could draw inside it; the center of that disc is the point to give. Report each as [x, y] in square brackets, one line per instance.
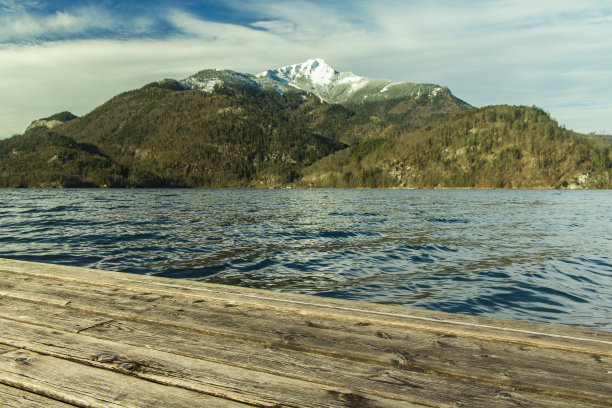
[45, 158]
[210, 80]
[317, 77]
[492, 147]
[314, 76]
[397, 106]
[301, 125]
[389, 107]
[233, 136]
[52, 121]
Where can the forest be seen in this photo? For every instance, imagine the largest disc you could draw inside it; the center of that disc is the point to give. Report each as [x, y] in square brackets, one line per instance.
[163, 135]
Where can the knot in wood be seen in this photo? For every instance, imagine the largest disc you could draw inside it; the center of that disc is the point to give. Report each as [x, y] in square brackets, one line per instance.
[129, 366]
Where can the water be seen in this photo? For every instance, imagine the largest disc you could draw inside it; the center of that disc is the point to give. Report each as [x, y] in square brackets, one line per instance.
[541, 256]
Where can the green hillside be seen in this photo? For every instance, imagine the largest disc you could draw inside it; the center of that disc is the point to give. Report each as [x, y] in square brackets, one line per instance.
[492, 147]
[44, 158]
[400, 114]
[164, 135]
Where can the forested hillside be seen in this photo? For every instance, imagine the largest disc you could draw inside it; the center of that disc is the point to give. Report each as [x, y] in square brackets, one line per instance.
[166, 135]
[163, 135]
[492, 147]
[44, 158]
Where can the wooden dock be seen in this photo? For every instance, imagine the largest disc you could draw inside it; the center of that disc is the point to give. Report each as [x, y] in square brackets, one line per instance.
[90, 338]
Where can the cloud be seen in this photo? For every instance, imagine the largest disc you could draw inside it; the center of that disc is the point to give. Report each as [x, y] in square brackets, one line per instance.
[13, 6]
[304, 21]
[23, 27]
[557, 55]
[212, 31]
[40, 80]
[517, 52]
[274, 26]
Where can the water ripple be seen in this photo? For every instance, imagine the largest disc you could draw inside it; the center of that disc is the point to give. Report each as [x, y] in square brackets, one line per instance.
[532, 255]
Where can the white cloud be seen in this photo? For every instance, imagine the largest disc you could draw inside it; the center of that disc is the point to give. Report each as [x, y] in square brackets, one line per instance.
[557, 55]
[24, 27]
[19, 26]
[13, 6]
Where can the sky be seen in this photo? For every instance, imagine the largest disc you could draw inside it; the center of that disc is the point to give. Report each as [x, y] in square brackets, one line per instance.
[75, 55]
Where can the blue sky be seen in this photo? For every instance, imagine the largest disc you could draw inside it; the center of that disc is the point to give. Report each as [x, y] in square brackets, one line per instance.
[75, 55]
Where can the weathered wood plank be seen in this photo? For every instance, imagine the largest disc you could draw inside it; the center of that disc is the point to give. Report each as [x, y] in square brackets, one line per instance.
[5, 349]
[147, 297]
[353, 350]
[362, 382]
[465, 326]
[68, 321]
[85, 386]
[367, 378]
[328, 371]
[485, 361]
[15, 398]
[222, 380]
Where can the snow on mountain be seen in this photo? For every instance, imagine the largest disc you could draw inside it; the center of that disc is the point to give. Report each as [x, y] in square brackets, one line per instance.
[317, 77]
[208, 79]
[315, 71]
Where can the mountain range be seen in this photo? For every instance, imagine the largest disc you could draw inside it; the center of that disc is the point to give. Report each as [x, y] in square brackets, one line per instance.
[302, 125]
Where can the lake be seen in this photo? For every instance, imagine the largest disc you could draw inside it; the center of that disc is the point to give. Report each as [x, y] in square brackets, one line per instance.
[542, 256]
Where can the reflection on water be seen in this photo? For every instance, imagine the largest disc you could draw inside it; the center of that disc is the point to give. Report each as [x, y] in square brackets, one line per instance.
[532, 255]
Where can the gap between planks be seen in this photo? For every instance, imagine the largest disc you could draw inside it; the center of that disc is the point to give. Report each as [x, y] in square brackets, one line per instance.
[256, 298]
[190, 372]
[446, 323]
[470, 376]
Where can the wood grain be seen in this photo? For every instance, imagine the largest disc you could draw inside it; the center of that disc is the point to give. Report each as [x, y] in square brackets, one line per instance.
[16, 398]
[196, 374]
[85, 386]
[265, 365]
[467, 326]
[267, 348]
[516, 367]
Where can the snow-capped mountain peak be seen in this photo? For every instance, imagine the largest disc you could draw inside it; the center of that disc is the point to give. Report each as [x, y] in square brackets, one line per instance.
[316, 71]
[317, 77]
